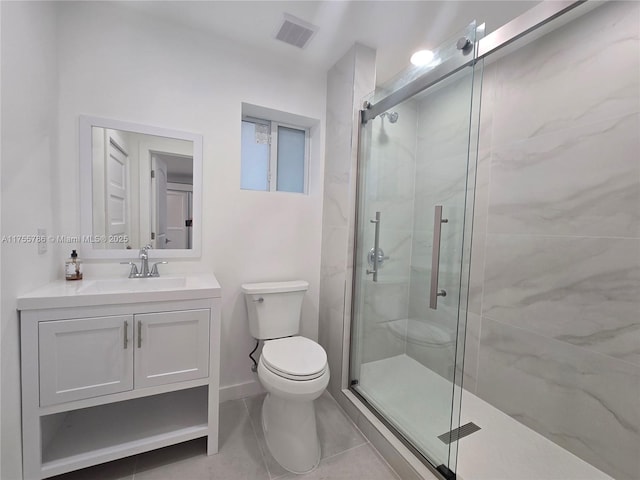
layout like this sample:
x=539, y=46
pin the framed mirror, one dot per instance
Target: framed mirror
x=139, y=185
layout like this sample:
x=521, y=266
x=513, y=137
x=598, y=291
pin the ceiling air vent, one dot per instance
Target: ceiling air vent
x=295, y=32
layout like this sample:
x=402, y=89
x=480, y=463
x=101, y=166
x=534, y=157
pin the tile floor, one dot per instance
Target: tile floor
x=346, y=453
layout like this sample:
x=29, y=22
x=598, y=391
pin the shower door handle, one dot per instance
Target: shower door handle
x=376, y=248
x=435, y=258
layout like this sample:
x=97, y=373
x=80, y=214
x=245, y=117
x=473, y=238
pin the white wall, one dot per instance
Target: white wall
x=29, y=150
x=117, y=64
x=63, y=59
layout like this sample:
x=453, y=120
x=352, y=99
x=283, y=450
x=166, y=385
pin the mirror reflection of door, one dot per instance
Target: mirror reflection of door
x=179, y=215
x=171, y=193
x=159, y=195
x=116, y=186
x=126, y=203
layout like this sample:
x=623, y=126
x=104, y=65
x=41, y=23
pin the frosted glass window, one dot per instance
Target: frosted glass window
x=254, y=168
x=291, y=159
x=274, y=156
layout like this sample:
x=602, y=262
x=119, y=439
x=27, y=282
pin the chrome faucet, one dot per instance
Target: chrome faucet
x=144, y=271
x=144, y=260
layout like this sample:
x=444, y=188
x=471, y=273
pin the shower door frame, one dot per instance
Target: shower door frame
x=415, y=85
x=525, y=24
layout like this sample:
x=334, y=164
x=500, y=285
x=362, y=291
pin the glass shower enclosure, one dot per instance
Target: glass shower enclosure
x=415, y=205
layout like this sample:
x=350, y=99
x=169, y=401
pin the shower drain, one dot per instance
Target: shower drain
x=458, y=433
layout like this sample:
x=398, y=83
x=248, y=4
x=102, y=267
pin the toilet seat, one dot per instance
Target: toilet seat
x=295, y=358
x=298, y=378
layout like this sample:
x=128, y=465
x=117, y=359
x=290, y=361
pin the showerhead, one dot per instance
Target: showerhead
x=392, y=116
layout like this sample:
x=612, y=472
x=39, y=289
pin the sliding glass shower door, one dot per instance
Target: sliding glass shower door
x=415, y=200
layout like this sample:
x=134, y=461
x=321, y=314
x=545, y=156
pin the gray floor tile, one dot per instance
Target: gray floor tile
x=254, y=405
x=359, y=463
x=244, y=455
x=239, y=456
x=335, y=430
x=186, y=460
x=118, y=470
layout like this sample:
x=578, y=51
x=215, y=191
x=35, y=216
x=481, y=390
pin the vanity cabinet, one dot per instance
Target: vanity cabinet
x=105, y=376
x=88, y=357
x=171, y=347
x=84, y=357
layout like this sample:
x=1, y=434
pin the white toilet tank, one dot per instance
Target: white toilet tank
x=274, y=308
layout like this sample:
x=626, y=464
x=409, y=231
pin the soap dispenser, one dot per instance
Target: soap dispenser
x=73, y=267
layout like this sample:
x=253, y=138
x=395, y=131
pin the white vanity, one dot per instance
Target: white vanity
x=116, y=367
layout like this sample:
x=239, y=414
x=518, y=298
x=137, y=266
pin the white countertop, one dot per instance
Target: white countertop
x=112, y=291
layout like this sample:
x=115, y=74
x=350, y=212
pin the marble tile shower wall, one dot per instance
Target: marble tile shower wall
x=553, y=334
x=348, y=81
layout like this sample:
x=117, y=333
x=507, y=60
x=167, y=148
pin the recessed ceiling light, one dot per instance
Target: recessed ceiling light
x=422, y=57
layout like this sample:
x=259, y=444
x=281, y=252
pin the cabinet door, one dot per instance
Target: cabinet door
x=171, y=347
x=85, y=357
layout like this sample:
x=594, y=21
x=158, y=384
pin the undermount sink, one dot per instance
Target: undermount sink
x=114, y=291
x=132, y=284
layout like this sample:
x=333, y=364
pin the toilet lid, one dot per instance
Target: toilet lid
x=294, y=356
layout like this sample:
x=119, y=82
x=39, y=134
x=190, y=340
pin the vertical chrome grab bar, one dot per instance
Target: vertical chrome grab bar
x=376, y=247
x=435, y=259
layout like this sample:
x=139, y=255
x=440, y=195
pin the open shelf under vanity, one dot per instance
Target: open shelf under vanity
x=84, y=437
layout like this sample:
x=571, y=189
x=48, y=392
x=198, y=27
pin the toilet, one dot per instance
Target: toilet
x=293, y=369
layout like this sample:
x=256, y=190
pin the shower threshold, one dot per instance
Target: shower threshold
x=503, y=449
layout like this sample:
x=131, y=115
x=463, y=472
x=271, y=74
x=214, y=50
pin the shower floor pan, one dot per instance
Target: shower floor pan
x=503, y=449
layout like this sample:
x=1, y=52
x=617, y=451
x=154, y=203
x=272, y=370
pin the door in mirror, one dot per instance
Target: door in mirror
x=140, y=185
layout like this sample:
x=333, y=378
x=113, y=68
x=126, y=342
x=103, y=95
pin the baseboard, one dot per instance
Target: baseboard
x=240, y=390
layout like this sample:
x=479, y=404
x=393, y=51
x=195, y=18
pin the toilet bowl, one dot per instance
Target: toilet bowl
x=293, y=370
x=288, y=413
